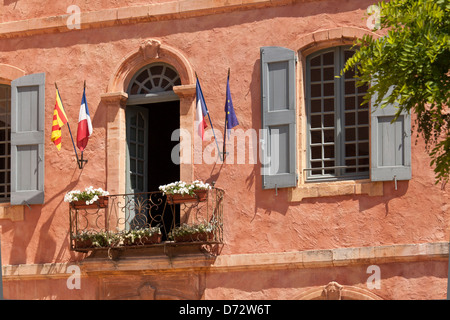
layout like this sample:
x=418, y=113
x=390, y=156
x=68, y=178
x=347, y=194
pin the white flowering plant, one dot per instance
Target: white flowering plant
x=183, y=188
x=89, y=195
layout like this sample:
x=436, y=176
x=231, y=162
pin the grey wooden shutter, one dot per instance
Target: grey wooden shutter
x=278, y=142
x=390, y=144
x=27, y=139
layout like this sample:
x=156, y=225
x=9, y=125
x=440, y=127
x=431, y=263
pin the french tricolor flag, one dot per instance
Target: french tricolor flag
x=84, y=130
x=201, y=111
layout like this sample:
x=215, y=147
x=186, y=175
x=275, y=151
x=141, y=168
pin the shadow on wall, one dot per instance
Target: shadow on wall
x=40, y=220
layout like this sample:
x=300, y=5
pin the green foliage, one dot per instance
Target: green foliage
x=413, y=59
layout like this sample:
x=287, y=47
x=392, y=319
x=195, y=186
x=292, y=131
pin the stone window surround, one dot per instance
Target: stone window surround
x=306, y=45
x=114, y=100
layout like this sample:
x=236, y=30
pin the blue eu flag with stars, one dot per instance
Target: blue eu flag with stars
x=230, y=116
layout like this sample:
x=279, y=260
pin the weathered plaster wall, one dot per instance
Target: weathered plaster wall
x=255, y=221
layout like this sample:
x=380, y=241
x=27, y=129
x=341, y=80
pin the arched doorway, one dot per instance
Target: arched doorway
x=152, y=115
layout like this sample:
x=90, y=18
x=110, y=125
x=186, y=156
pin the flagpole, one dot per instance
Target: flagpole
x=209, y=117
x=70, y=131
x=82, y=161
x=226, y=123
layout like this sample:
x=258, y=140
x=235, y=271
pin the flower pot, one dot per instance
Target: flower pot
x=102, y=202
x=194, y=237
x=146, y=240
x=83, y=243
x=198, y=196
x=153, y=239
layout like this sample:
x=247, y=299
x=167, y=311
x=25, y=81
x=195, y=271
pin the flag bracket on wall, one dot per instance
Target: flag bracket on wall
x=81, y=162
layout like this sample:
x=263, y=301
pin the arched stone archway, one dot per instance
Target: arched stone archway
x=115, y=101
x=9, y=73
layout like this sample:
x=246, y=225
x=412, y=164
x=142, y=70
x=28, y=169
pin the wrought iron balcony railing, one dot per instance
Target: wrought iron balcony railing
x=147, y=219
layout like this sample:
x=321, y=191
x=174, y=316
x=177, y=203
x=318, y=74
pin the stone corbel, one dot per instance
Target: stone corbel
x=114, y=98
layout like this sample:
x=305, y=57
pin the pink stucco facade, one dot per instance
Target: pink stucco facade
x=276, y=246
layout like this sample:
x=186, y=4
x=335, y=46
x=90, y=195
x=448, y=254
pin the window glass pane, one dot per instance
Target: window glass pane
x=316, y=74
x=328, y=105
x=328, y=152
x=328, y=73
x=349, y=119
x=363, y=161
x=328, y=136
x=316, y=152
x=349, y=87
x=350, y=163
x=316, y=90
x=350, y=150
x=317, y=164
x=349, y=103
x=316, y=136
x=363, y=133
x=316, y=106
x=363, y=149
x=328, y=58
x=328, y=120
x=157, y=70
x=316, y=121
x=328, y=89
x=316, y=61
x=363, y=117
x=142, y=76
x=329, y=164
x=350, y=134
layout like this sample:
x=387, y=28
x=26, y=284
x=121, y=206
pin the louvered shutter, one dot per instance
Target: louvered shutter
x=27, y=139
x=278, y=142
x=390, y=144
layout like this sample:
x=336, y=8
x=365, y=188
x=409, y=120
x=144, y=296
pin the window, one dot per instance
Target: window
x=5, y=142
x=157, y=77
x=337, y=123
x=345, y=140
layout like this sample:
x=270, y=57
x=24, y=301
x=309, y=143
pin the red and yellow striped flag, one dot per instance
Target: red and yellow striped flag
x=59, y=119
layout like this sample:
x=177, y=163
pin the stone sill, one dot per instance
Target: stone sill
x=13, y=213
x=335, y=188
x=398, y=253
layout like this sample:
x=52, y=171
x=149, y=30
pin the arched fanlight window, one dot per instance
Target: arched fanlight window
x=154, y=78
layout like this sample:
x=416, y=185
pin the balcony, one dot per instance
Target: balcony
x=148, y=220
